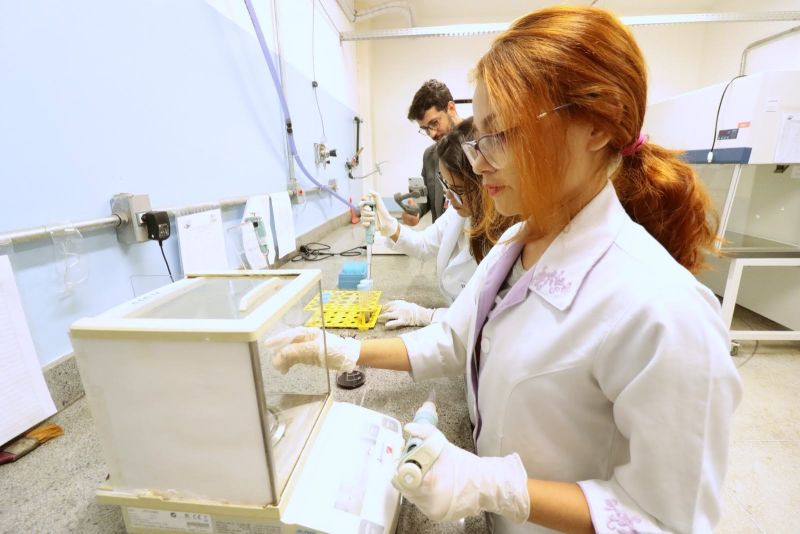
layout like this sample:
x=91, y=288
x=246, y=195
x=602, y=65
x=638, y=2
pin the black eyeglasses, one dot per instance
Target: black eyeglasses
x=432, y=126
x=492, y=146
x=456, y=193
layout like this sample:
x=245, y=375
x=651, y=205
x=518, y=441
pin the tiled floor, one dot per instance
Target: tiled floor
x=762, y=488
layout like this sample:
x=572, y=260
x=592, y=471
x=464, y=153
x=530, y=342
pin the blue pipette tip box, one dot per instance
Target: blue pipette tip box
x=351, y=274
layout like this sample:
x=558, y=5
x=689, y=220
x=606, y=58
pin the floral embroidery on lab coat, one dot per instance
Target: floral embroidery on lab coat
x=553, y=280
x=620, y=521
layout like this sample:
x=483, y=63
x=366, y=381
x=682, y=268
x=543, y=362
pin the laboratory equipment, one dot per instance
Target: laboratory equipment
x=370, y=239
x=417, y=459
x=261, y=232
x=323, y=154
x=416, y=190
x=351, y=273
x=364, y=304
x=341, y=309
x=202, y=434
x=749, y=129
x=755, y=121
x=351, y=379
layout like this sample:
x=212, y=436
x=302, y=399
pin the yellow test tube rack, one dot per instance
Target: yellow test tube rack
x=343, y=309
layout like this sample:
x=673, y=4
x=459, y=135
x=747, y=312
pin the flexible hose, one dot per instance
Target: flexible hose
x=284, y=106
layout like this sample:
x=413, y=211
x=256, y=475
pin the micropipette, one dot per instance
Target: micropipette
x=416, y=460
x=370, y=238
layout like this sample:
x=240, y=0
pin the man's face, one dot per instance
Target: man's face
x=436, y=123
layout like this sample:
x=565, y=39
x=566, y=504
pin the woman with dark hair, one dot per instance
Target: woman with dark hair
x=459, y=239
x=600, y=383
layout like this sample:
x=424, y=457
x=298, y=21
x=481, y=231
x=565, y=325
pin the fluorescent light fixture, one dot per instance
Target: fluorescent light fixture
x=465, y=30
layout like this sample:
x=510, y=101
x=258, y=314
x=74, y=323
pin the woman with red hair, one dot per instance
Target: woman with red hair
x=599, y=379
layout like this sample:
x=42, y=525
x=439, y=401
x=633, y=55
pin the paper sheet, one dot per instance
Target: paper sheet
x=284, y=222
x=24, y=397
x=381, y=246
x=788, y=148
x=202, y=242
x=259, y=205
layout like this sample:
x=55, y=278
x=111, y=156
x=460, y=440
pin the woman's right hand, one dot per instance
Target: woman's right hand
x=384, y=222
x=305, y=345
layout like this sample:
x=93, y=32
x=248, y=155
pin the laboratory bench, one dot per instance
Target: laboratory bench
x=52, y=489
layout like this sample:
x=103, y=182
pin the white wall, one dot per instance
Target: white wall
x=172, y=99
x=397, y=68
x=725, y=42
x=673, y=64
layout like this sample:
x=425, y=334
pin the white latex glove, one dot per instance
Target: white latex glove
x=384, y=222
x=304, y=345
x=460, y=484
x=397, y=313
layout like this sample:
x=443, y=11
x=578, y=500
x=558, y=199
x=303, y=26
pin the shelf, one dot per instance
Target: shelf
x=748, y=246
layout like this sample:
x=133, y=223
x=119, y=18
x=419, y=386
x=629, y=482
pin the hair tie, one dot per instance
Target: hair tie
x=635, y=146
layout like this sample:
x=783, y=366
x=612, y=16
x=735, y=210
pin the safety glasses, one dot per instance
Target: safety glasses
x=455, y=193
x=492, y=146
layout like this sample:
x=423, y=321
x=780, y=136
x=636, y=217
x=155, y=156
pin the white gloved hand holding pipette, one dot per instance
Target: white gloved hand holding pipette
x=304, y=345
x=398, y=313
x=457, y=483
x=384, y=222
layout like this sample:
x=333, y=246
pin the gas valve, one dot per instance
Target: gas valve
x=323, y=155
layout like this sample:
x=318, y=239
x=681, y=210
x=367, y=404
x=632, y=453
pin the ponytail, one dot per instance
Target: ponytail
x=664, y=195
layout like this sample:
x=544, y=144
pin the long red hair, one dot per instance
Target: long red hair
x=587, y=58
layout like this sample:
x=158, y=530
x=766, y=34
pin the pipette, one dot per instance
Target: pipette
x=370, y=238
x=416, y=460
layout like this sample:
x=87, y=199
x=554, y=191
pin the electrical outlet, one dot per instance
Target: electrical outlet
x=127, y=206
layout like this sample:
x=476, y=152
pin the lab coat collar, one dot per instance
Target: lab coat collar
x=562, y=268
x=495, y=275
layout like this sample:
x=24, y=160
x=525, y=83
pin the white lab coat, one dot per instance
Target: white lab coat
x=448, y=241
x=612, y=370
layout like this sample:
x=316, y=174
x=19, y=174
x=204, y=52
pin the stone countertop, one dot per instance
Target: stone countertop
x=52, y=489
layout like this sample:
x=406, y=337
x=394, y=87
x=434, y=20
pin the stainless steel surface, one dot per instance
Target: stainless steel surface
x=44, y=232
